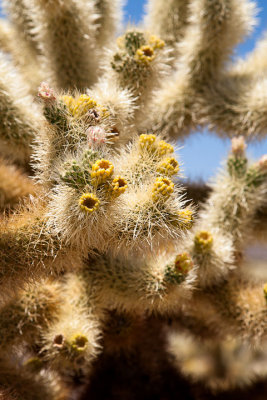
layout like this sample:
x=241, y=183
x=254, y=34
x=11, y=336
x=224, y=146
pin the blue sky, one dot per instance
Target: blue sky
x=203, y=152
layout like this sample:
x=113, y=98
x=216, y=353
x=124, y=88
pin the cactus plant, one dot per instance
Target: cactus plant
x=98, y=237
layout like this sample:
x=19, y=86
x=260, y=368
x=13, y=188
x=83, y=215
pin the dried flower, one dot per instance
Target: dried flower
x=58, y=341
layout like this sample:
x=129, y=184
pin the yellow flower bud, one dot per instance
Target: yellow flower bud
x=162, y=189
x=164, y=148
x=147, y=141
x=118, y=186
x=83, y=105
x=70, y=102
x=203, y=241
x=156, y=43
x=183, y=263
x=168, y=167
x=185, y=218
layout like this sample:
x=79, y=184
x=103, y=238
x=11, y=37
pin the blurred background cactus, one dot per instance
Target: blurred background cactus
x=119, y=278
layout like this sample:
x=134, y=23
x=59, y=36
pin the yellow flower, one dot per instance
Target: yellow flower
x=168, y=167
x=162, y=189
x=265, y=290
x=83, y=105
x=88, y=202
x=78, y=342
x=147, y=141
x=101, y=170
x=164, y=148
x=156, y=43
x=119, y=185
x=185, y=218
x=70, y=102
x=203, y=241
x=144, y=55
x=183, y=263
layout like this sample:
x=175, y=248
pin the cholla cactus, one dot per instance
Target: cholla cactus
x=100, y=239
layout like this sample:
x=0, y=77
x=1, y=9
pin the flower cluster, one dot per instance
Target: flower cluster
x=84, y=106
x=69, y=101
x=137, y=52
x=146, y=53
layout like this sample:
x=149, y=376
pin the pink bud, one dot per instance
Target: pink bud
x=262, y=163
x=46, y=93
x=96, y=136
x=238, y=145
